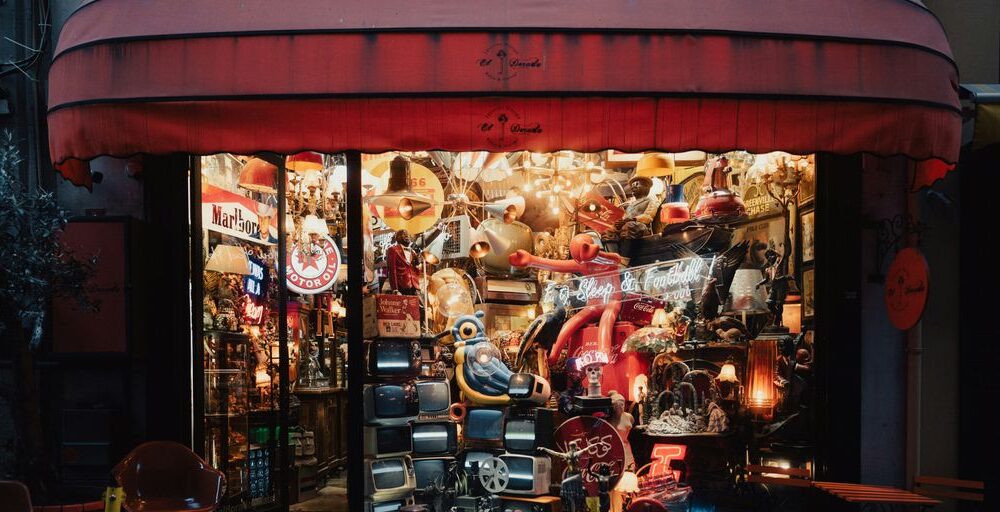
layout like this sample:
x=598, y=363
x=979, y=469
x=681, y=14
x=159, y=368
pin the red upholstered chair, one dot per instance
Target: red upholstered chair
x=163, y=476
x=14, y=497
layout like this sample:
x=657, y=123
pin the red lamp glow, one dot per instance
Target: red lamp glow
x=259, y=176
x=304, y=161
x=761, y=397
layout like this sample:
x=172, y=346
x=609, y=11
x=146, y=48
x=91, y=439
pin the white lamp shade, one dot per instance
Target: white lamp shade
x=745, y=296
x=509, y=209
x=479, y=245
x=313, y=225
x=229, y=259
x=497, y=243
x=434, y=250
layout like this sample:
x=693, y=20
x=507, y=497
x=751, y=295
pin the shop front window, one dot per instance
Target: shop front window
x=584, y=328
x=271, y=412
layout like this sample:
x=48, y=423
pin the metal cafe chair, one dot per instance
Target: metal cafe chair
x=951, y=488
x=14, y=497
x=164, y=476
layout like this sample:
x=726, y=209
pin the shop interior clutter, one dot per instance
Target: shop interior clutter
x=579, y=331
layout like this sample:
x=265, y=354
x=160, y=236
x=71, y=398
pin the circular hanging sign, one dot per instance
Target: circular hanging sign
x=906, y=287
x=601, y=444
x=313, y=270
x=423, y=181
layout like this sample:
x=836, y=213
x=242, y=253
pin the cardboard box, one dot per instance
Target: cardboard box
x=392, y=316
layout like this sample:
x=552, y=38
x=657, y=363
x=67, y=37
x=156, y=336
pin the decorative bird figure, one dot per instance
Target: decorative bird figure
x=479, y=369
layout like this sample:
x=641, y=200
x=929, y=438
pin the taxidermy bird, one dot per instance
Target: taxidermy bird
x=540, y=334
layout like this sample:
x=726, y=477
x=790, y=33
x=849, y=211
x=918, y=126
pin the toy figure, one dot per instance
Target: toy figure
x=641, y=207
x=589, y=260
x=403, y=265
x=572, y=493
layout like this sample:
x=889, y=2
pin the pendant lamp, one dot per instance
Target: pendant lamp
x=398, y=194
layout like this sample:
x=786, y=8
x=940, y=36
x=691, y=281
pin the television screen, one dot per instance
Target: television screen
x=521, y=384
x=429, y=469
x=435, y=396
x=528, y=474
x=525, y=433
x=393, y=357
x=385, y=506
x=388, y=474
x=519, y=436
x=484, y=424
x=434, y=438
x=394, y=401
x=389, y=440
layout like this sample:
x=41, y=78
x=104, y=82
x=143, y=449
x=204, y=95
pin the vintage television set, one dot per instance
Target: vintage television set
x=388, y=441
x=525, y=431
x=390, y=403
x=435, y=437
x=484, y=424
x=385, y=506
x=390, y=478
x=427, y=469
x=529, y=474
x=393, y=357
x=527, y=387
x=434, y=397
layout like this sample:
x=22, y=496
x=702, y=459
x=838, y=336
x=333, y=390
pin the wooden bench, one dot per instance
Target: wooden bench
x=942, y=487
x=776, y=475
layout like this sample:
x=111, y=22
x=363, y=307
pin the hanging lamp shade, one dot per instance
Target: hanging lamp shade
x=398, y=193
x=654, y=165
x=259, y=176
x=304, y=161
x=434, y=251
x=228, y=259
x=507, y=209
x=479, y=245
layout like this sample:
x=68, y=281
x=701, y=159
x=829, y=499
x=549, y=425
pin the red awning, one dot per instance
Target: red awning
x=851, y=76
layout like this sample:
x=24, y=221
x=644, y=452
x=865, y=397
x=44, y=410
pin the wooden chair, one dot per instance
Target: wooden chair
x=769, y=475
x=776, y=476
x=14, y=497
x=942, y=487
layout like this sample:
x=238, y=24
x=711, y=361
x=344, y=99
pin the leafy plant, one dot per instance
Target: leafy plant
x=36, y=266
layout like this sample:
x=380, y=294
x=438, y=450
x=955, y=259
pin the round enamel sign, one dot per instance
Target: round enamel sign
x=906, y=286
x=601, y=444
x=315, y=269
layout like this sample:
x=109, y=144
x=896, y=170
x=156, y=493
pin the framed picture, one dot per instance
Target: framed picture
x=769, y=232
x=808, y=293
x=808, y=226
x=807, y=187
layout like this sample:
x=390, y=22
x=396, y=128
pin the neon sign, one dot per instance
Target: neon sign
x=254, y=284
x=670, y=280
x=662, y=455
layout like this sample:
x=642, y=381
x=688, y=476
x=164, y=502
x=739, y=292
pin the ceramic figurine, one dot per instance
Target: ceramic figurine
x=622, y=420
